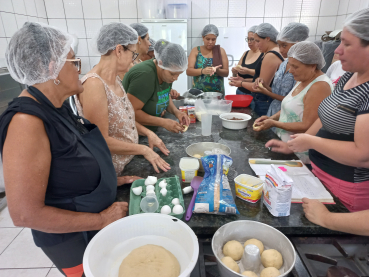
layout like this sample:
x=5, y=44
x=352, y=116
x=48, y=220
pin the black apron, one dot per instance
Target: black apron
x=105, y=193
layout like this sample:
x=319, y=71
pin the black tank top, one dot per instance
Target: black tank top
x=74, y=171
x=250, y=66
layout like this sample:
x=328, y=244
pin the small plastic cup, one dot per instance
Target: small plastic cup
x=206, y=121
x=251, y=258
x=149, y=204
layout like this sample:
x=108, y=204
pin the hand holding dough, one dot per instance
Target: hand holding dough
x=185, y=127
x=231, y=264
x=270, y=272
x=255, y=127
x=233, y=249
x=272, y=258
x=256, y=242
x=261, y=85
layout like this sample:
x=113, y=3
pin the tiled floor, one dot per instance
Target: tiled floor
x=19, y=256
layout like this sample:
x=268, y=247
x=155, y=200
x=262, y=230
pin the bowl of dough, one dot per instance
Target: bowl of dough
x=201, y=149
x=249, y=248
x=151, y=244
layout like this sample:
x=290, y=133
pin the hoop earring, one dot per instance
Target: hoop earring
x=56, y=82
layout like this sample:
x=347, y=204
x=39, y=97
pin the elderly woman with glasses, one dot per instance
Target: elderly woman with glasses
x=105, y=103
x=58, y=172
x=246, y=66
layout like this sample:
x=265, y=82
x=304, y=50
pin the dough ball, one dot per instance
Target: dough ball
x=272, y=258
x=230, y=82
x=150, y=260
x=256, y=242
x=231, y=264
x=198, y=156
x=233, y=249
x=185, y=127
x=239, y=66
x=270, y=272
x=249, y=274
x=255, y=127
x=261, y=85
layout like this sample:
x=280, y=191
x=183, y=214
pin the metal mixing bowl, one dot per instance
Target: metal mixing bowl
x=201, y=147
x=212, y=95
x=243, y=230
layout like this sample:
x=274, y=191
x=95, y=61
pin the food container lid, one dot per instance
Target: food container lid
x=249, y=181
x=187, y=163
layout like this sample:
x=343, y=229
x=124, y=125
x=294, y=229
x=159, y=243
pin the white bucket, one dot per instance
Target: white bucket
x=106, y=251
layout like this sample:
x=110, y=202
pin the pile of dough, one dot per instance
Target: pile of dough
x=233, y=249
x=256, y=242
x=198, y=156
x=231, y=264
x=249, y=274
x=270, y=272
x=150, y=260
x=272, y=258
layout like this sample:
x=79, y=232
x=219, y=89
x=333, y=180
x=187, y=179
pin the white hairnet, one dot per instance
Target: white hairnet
x=307, y=52
x=141, y=29
x=170, y=56
x=36, y=53
x=294, y=32
x=267, y=30
x=151, y=48
x=210, y=29
x=253, y=29
x=357, y=24
x=111, y=35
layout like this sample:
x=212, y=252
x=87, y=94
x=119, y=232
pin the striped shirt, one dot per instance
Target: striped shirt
x=338, y=114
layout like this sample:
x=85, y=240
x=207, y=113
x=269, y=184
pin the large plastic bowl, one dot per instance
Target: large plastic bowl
x=228, y=123
x=106, y=251
x=243, y=230
x=239, y=101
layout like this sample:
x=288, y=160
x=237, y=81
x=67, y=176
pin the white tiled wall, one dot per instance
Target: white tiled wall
x=85, y=17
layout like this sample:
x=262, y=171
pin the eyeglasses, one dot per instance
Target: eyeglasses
x=250, y=40
x=134, y=54
x=77, y=63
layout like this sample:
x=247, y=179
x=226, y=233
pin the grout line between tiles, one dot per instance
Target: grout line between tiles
x=11, y=242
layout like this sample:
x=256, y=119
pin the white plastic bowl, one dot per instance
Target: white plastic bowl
x=106, y=251
x=243, y=230
x=235, y=124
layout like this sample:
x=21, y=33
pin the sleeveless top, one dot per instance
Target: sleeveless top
x=74, y=171
x=205, y=82
x=122, y=124
x=338, y=114
x=292, y=110
x=250, y=66
x=283, y=83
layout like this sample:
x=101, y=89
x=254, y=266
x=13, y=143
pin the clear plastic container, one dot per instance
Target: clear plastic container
x=149, y=204
x=176, y=9
x=152, y=9
x=206, y=121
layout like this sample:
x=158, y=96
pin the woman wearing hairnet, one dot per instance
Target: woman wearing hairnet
x=247, y=64
x=283, y=79
x=338, y=140
x=148, y=85
x=266, y=39
x=299, y=108
x=208, y=64
x=105, y=103
x=59, y=176
x=143, y=42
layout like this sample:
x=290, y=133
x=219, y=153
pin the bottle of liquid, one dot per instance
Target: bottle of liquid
x=149, y=204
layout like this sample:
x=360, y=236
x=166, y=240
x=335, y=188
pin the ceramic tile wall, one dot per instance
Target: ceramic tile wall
x=85, y=17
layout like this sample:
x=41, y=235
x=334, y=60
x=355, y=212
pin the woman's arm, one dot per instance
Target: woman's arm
x=153, y=139
x=149, y=120
x=313, y=130
x=352, y=153
x=26, y=174
x=182, y=117
x=316, y=94
x=191, y=71
x=354, y=223
x=224, y=71
x=95, y=109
